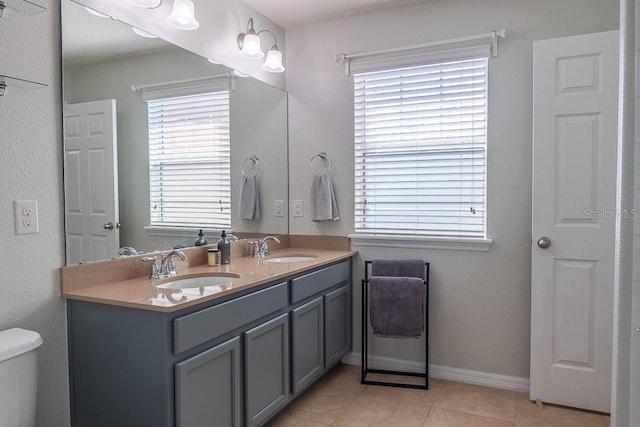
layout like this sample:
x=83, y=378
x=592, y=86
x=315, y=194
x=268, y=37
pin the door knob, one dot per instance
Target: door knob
x=544, y=242
x=110, y=226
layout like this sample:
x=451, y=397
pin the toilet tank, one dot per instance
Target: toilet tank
x=18, y=377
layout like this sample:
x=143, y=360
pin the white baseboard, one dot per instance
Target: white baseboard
x=468, y=376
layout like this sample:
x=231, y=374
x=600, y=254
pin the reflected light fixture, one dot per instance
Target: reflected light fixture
x=96, y=13
x=147, y=4
x=183, y=15
x=143, y=33
x=249, y=44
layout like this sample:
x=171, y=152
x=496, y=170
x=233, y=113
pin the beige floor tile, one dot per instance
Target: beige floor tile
x=293, y=418
x=423, y=397
x=532, y=415
x=477, y=400
x=444, y=418
x=344, y=377
x=322, y=405
x=375, y=411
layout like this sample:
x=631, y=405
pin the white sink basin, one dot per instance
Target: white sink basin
x=221, y=279
x=291, y=258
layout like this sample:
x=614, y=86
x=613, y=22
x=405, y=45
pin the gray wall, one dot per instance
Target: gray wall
x=30, y=168
x=480, y=302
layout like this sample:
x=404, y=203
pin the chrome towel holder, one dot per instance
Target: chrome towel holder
x=249, y=165
x=324, y=158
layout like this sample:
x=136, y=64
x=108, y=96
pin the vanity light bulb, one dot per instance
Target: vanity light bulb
x=251, y=47
x=273, y=62
x=183, y=15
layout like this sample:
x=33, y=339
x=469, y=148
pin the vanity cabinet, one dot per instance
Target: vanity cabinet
x=209, y=387
x=235, y=361
x=266, y=369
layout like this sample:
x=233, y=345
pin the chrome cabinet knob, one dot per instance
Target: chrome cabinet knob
x=544, y=242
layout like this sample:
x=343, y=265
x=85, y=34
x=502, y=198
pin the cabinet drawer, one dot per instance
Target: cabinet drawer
x=202, y=326
x=316, y=282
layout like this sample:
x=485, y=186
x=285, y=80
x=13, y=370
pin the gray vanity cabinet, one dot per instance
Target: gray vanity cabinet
x=266, y=351
x=337, y=308
x=232, y=362
x=209, y=387
x=307, y=343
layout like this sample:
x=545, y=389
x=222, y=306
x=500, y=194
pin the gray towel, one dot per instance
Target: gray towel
x=398, y=267
x=323, y=199
x=249, y=198
x=397, y=308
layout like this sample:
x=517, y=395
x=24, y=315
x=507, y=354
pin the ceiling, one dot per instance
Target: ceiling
x=290, y=13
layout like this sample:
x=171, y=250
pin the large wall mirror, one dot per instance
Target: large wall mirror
x=105, y=63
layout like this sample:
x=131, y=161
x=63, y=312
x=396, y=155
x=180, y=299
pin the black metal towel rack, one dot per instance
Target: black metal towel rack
x=365, y=341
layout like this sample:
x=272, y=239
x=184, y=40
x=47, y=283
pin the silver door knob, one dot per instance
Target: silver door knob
x=108, y=226
x=544, y=242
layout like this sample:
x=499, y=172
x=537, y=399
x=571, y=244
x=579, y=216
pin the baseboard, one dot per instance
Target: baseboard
x=468, y=376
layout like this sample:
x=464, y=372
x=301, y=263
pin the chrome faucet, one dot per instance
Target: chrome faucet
x=154, y=273
x=167, y=267
x=264, y=247
x=127, y=251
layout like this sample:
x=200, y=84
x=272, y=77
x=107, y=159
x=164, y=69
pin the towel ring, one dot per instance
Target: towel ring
x=253, y=166
x=324, y=159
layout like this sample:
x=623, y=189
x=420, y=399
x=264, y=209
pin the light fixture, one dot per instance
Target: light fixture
x=142, y=33
x=249, y=44
x=183, y=15
x=96, y=13
x=147, y=4
x=3, y=87
x=3, y=5
x=240, y=73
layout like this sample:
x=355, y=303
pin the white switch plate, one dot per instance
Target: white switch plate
x=297, y=208
x=278, y=208
x=26, y=212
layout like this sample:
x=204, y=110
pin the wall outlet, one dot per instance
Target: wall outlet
x=297, y=208
x=26, y=212
x=278, y=208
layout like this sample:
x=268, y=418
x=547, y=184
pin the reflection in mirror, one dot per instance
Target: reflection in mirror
x=107, y=198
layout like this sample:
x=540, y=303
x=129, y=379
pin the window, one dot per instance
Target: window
x=420, y=149
x=189, y=161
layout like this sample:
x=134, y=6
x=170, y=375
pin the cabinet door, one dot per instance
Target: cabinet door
x=337, y=309
x=267, y=369
x=307, y=339
x=208, y=387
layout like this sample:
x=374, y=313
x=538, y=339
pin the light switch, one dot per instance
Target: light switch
x=297, y=208
x=278, y=208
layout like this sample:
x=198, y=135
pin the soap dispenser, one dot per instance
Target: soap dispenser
x=200, y=241
x=224, y=247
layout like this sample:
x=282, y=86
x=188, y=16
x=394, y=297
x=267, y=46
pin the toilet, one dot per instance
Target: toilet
x=18, y=377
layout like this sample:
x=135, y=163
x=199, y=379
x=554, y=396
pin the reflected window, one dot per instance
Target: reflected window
x=189, y=161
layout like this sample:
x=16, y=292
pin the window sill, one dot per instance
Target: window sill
x=154, y=230
x=421, y=242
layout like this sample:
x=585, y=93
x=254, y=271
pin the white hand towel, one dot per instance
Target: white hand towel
x=249, y=199
x=323, y=199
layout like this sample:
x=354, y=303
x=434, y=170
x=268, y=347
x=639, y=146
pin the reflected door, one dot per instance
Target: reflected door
x=91, y=181
x=573, y=223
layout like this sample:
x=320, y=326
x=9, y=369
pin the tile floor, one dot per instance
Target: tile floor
x=340, y=400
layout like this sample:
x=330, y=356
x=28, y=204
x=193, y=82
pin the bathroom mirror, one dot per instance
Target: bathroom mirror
x=104, y=59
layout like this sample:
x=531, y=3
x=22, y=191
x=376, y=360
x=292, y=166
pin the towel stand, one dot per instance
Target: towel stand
x=365, y=341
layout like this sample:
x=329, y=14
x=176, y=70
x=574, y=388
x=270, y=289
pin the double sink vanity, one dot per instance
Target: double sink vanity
x=228, y=345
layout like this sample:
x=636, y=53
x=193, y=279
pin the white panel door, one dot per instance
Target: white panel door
x=91, y=181
x=575, y=87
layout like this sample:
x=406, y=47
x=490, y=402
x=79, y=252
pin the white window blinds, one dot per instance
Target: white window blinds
x=420, y=144
x=189, y=161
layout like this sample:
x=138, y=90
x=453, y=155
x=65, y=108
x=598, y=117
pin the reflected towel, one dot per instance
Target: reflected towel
x=323, y=199
x=397, y=308
x=398, y=267
x=249, y=198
